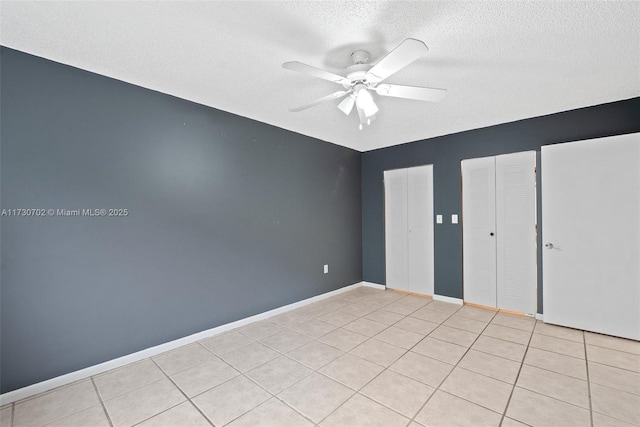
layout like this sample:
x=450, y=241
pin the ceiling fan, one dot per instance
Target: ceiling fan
x=362, y=78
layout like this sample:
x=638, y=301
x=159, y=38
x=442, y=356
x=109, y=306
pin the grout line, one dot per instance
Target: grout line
x=586, y=362
x=515, y=381
x=104, y=408
x=184, y=394
x=435, y=389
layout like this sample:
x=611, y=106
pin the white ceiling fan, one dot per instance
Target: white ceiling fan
x=362, y=78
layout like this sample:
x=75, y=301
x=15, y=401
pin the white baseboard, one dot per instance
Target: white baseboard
x=539, y=316
x=90, y=371
x=448, y=299
x=373, y=285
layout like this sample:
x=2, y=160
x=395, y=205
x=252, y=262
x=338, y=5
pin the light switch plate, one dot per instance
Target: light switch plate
x=438, y=219
x=454, y=218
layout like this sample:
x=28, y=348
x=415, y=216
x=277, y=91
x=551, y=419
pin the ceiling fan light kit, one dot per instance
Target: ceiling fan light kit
x=362, y=78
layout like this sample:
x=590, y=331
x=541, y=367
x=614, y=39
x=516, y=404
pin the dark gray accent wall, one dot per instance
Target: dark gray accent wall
x=446, y=152
x=228, y=217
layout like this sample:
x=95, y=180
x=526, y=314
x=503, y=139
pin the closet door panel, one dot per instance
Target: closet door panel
x=420, y=218
x=396, y=225
x=478, y=238
x=515, y=233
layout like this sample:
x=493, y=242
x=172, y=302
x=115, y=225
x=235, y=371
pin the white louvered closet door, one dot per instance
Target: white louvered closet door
x=515, y=232
x=479, y=229
x=420, y=218
x=396, y=223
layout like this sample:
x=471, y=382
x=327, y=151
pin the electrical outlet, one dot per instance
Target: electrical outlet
x=326, y=268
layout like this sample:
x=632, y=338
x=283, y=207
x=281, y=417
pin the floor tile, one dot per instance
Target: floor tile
x=338, y=318
x=618, y=359
x=421, y=368
x=453, y=335
x=612, y=377
x=230, y=400
x=399, y=337
x=261, y=329
x=351, y=371
x=508, y=422
x=343, y=339
x=289, y=319
x=614, y=343
x=559, y=332
x=315, y=354
x=497, y=347
x=558, y=386
x=183, y=415
x=182, y=358
x=314, y=328
x=523, y=323
x=357, y=310
x=600, y=420
x=361, y=411
x=479, y=389
x=93, y=416
x=378, y=352
x=400, y=308
x=476, y=313
x=250, y=356
x=6, y=413
x=204, y=377
x=415, y=325
x=55, y=405
x=138, y=405
x=538, y=410
x=226, y=343
x=446, y=410
x=316, y=396
x=285, y=341
x=558, y=345
x=415, y=300
x=278, y=374
x=616, y=403
x=557, y=362
x=365, y=327
x=129, y=377
x=385, y=317
x=491, y=366
x=400, y=393
x=440, y=350
x=430, y=315
x=461, y=322
x=271, y=413
x=445, y=307
x=506, y=333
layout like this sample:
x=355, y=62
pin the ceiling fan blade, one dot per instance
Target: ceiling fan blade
x=315, y=72
x=411, y=92
x=334, y=95
x=404, y=54
x=346, y=105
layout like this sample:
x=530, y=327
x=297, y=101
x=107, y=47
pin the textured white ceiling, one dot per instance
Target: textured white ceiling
x=500, y=61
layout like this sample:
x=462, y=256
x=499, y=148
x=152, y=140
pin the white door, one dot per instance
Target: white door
x=591, y=232
x=516, y=274
x=420, y=223
x=396, y=225
x=409, y=229
x=499, y=235
x=479, y=230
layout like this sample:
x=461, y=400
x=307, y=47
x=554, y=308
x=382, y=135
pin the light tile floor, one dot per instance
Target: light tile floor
x=364, y=358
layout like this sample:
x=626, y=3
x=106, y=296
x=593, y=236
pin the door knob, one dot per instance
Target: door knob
x=549, y=245
x=491, y=234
